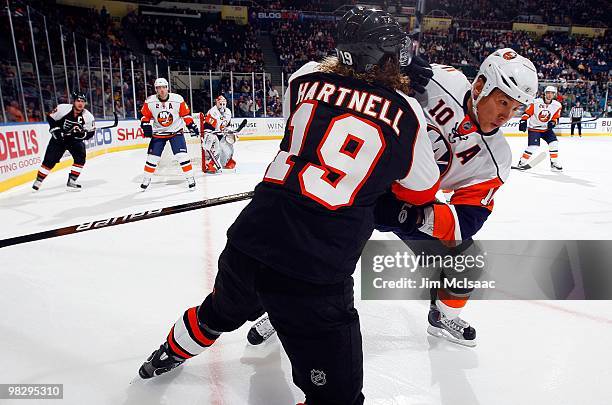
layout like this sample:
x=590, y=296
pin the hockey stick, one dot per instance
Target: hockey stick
x=532, y=163
x=160, y=212
x=114, y=123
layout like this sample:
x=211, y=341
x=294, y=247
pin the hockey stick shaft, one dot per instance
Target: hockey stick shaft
x=115, y=123
x=129, y=218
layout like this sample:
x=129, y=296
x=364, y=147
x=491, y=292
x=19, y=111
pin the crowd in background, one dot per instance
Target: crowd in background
x=209, y=43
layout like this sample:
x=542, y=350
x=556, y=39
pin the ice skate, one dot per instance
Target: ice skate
x=145, y=183
x=191, y=183
x=556, y=167
x=36, y=185
x=72, y=185
x=261, y=331
x=454, y=330
x=159, y=362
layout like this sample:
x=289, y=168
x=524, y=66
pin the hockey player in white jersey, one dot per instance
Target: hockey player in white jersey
x=164, y=116
x=539, y=120
x=218, y=142
x=474, y=159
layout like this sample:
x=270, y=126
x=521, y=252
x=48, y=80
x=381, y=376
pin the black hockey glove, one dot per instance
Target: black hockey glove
x=523, y=125
x=194, y=129
x=393, y=215
x=78, y=132
x=420, y=73
x=551, y=124
x=147, y=129
x=56, y=133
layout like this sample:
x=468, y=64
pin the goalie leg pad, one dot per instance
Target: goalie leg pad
x=226, y=151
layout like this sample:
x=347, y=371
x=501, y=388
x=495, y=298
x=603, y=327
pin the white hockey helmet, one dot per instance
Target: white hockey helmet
x=551, y=89
x=160, y=82
x=510, y=72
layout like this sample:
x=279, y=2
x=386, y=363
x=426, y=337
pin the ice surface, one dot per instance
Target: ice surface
x=85, y=310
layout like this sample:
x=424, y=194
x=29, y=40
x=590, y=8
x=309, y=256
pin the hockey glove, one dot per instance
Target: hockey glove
x=523, y=125
x=147, y=129
x=56, y=133
x=394, y=215
x=78, y=132
x=194, y=129
x=551, y=124
x=420, y=73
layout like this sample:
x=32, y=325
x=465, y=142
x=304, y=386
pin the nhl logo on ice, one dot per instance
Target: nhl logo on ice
x=317, y=377
x=509, y=55
x=165, y=118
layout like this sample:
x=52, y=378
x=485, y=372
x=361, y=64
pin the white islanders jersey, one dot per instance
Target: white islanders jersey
x=217, y=119
x=472, y=164
x=167, y=117
x=539, y=114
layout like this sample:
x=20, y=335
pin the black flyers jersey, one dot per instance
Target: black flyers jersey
x=346, y=142
x=63, y=117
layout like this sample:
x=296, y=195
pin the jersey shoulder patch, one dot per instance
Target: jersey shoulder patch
x=309, y=67
x=448, y=83
x=60, y=111
x=174, y=97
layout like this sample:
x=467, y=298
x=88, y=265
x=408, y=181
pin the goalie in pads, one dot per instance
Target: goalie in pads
x=217, y=141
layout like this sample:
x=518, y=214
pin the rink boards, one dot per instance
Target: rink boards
x=22, y=146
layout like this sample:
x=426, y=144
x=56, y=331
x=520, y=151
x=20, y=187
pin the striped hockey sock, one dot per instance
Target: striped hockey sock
x=190, y=336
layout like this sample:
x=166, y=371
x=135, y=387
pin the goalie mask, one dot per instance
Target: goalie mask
x=221, y=103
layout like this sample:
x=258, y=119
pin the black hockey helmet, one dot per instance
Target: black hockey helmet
x=368, y=37
x=78, y=95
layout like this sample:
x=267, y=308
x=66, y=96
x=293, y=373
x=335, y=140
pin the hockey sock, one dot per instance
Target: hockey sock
x=553, y=149
x=185, y=163
x=190, y=336
x=151, y=165
x=450, y=304
x=43, y=172
x=526, y=156
x=75, y=172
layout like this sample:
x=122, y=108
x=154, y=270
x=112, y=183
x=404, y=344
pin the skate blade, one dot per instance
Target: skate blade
x=73, y=190
x=441, y=333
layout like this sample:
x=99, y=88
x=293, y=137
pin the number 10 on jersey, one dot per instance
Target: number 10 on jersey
x=350, y=148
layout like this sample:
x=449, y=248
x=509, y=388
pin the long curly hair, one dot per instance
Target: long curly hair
x=388, y=74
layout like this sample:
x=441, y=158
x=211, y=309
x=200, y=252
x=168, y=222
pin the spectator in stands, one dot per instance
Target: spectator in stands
x=13, y=112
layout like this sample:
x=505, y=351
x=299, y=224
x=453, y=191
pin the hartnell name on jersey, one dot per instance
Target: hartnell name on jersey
x=361, y=101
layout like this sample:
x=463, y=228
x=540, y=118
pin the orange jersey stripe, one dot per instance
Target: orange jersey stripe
x=415, y=197
x=146, y=113
x=476, y=194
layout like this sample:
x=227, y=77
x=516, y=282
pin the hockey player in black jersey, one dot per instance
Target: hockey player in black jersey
x=352, y=133
x=69, y=125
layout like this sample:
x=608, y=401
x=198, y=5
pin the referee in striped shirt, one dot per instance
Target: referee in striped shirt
x=576, y=113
